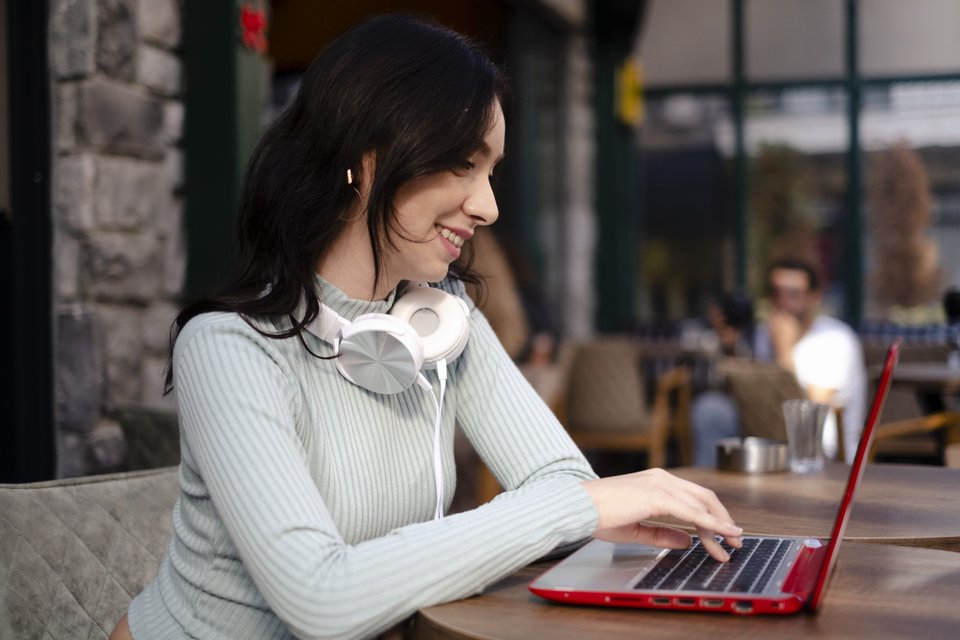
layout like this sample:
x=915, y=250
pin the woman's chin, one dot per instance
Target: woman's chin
x=434, y=275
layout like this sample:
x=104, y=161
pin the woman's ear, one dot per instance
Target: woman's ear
x=368, y=168
x=362, y=179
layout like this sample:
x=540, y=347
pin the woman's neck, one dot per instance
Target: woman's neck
x=349, y=266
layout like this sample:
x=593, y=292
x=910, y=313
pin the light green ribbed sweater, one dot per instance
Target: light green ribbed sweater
x=306, y=502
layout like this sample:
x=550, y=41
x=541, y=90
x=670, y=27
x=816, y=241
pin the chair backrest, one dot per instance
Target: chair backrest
x=759, y=389
x=605, y=388
x=74, y=552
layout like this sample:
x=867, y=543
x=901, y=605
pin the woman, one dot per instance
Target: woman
x=306, y=498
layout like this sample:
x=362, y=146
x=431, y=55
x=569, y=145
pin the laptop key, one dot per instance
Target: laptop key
x=738, y=558
x=690, y=563
x=666, y=564
x=745, y=579
x=775, y=561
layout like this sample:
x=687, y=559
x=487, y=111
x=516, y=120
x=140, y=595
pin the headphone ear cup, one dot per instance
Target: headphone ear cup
x=380, y=353
x=441, y=320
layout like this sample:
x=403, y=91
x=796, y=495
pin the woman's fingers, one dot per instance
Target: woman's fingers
x=708, y=516
x=705, y=497
x=698, y=506
x=623, y=502
x=663, y=536
x=714, y=548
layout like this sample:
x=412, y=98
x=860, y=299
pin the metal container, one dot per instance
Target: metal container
x=751, y=455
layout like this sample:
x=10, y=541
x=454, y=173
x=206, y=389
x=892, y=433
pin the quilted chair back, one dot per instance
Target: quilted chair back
x=74, y=552
x=606, y=407
x=605, y=388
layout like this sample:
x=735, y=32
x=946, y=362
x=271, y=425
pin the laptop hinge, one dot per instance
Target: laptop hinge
x=802, y=577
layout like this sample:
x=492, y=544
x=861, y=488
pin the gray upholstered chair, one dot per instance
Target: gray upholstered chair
x=73, y=552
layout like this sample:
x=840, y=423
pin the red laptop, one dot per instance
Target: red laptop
x=767, y=575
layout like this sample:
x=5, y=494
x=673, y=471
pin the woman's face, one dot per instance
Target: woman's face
x=437, y=214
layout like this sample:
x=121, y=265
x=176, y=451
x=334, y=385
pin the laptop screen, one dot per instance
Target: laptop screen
x=856, y=473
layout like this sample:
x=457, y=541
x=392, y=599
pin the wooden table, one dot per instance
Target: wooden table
x=896, y=576
x=932, y=375
x=930, y=381
x=914, y=505
x=935, y=386
x=877, y=591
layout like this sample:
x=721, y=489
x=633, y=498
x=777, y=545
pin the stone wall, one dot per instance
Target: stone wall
x=119, y=253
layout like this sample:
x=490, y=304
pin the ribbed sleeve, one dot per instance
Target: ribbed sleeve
x=306, y=501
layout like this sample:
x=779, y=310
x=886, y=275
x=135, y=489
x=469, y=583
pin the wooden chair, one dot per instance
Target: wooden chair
x=942, y=431
x=606, y=405
x=759, y=389
x=908, y=431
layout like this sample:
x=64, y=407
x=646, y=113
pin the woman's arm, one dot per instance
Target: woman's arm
x=509, y=425
x=238, y=408
x=522, y=443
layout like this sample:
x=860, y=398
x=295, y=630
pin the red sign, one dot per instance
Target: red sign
x=253, y=28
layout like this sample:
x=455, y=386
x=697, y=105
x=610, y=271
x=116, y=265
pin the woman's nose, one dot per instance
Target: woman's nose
x=481, y=204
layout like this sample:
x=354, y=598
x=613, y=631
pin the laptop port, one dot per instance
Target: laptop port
x=660, y=600
x=743, y=606
x=712, y=602
x=686, y=602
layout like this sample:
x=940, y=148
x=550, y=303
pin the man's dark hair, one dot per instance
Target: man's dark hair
x=737, y=309
x=795, y=264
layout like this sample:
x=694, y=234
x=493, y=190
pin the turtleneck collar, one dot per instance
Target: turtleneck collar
x=350, y=308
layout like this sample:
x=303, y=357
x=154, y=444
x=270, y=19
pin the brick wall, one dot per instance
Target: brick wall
x=117, y=207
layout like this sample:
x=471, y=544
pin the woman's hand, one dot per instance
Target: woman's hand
x=624, y=502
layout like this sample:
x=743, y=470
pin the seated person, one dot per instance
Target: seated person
x=823, y=353
x=713, y=413
x=312, y=498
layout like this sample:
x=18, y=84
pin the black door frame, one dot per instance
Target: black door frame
x=27, y=443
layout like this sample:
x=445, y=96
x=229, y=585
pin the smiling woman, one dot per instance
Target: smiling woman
x=434, y=216
x=319, y=387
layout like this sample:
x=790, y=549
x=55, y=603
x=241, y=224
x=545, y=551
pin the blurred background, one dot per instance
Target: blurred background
x=660, y=152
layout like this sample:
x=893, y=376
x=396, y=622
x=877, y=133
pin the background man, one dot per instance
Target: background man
x=823, y=352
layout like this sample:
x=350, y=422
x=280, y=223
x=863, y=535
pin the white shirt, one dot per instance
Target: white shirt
x=829, y=355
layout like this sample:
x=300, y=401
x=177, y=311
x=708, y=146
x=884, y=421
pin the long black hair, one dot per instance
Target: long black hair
x=418, y=96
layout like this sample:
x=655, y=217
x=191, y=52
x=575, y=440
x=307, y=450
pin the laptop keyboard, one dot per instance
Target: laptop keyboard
x=748, y=570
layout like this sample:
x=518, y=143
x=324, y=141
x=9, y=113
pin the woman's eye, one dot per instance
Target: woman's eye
x=466, y=166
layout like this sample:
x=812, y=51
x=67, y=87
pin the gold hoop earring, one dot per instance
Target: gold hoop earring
x=340, y=216
x=343, y=218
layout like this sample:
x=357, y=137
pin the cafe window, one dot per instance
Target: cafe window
x=911, y=143
x=686, y=238
x=796, y=142
x=818, y=99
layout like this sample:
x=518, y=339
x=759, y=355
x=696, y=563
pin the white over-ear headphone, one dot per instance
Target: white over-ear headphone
x=385, y=352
